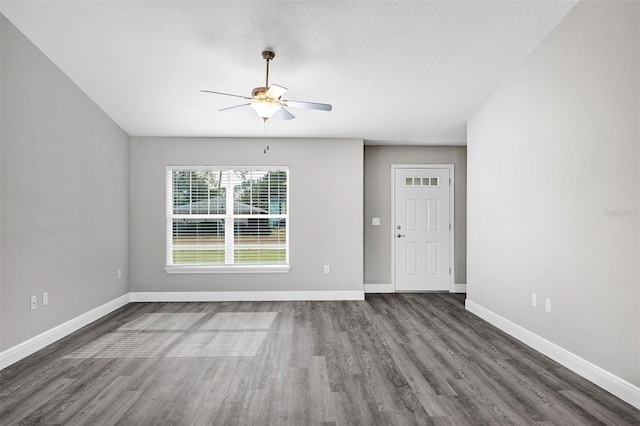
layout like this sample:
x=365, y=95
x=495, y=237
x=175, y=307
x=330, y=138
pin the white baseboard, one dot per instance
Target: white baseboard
x=619, y=387
x=458, y=288
x=388, y=288
x=378, y=288
x=240, y=296
x=26, y=348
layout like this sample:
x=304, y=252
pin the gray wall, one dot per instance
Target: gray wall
x=325, y=202
x=64, y=195
x=377, y=203
x=553, y=190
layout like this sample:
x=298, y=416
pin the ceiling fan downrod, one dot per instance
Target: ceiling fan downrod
x=267, y=55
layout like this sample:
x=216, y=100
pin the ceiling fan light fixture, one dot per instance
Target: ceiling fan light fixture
x=265, y=109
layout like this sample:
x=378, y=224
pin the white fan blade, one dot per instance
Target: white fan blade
x=284, y=114
x=235, y=106
x=226, y=94
x=308, y=105
x=275, y=91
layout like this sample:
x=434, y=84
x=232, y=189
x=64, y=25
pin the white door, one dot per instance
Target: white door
x=422, y=233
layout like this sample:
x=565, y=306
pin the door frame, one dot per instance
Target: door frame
x=452, y=262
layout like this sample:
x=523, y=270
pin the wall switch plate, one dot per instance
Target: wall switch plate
x=547, y=305
x=327, y=269
x=34, y=302
x=375, y=221
x=119, y=273
x=534, y=299
x=45, y=299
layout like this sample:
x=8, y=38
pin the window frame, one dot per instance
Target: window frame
x=229, y=217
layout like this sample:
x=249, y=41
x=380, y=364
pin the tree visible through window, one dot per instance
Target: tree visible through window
x=224, y=217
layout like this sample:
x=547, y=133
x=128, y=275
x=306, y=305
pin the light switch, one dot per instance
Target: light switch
x=375, y=221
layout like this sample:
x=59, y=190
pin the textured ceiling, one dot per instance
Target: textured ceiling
x=405, y=72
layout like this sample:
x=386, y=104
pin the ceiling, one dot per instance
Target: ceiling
x=396, y=72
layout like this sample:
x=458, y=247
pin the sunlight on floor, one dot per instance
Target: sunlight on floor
x=163, y=321
x=124, y=345
x=219, y=344
x=240, y=321
x=174, y=335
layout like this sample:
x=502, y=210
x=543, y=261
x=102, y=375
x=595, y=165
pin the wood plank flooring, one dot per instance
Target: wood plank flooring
x=395, y=359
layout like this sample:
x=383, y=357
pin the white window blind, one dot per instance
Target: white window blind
x=228, y=219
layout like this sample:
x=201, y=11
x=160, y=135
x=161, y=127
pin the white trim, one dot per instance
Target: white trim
x=608, y=381
x=458, y=288
x=28, y=347
x=262, y=167
x=378, y=288
x=168, y=193
x=241, y=296
x=388, y=288
x=452, y=215
x=227, y=269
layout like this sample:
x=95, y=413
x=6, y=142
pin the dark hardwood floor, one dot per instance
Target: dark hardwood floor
x=398, y=359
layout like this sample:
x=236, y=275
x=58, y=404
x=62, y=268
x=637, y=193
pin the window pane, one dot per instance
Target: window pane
x=259, y=192
x=198, y=192
x=197, y=242
x=260, y=241
x=181, y=188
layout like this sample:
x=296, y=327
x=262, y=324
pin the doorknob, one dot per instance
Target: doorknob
x=398, y=227
x=400, y=235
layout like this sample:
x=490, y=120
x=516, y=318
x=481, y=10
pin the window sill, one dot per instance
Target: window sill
x=227, y=269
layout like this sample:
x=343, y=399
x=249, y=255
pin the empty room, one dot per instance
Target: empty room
x=320, y=212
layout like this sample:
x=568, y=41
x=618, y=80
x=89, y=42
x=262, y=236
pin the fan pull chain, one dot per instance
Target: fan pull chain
x=266, y=135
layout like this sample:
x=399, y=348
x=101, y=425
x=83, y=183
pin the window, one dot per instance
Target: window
x=227, y=220
x=425, y=181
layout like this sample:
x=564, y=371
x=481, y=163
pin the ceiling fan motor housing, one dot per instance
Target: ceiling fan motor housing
x=259, y=92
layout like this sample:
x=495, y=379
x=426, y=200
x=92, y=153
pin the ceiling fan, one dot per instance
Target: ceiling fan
x=267, y=101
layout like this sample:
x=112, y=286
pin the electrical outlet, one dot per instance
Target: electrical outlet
x=547, y=305
x=45, y=299
x=34, y=302
x=327, y=269
x=375, y=221
x=534, y=299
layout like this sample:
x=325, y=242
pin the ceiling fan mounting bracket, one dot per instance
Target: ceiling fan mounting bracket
x=268, y=55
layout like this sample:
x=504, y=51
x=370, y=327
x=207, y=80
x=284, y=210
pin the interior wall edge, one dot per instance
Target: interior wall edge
x=44, y=339
x=601, y=377
x=242, y=296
